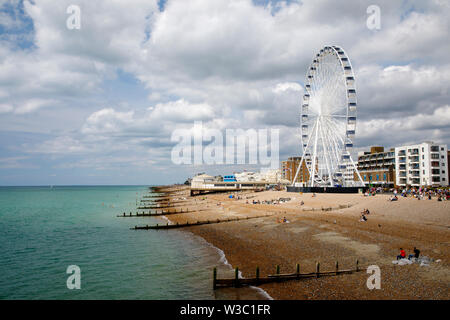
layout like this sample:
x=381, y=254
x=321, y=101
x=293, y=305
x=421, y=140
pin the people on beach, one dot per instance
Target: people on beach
x=302, y=203
x=363, y=218
x=394, y=198
x=415, y=255
x=402, y=254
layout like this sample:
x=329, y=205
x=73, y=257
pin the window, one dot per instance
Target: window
x=442, y=148
x=423, y=149
x=423, y=171
x=423, y=157
x=365, y=178
x=378, y=177
x=434, y=148
x=384, y=177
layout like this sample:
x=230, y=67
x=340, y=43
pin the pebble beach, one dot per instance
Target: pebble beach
x=326, y=228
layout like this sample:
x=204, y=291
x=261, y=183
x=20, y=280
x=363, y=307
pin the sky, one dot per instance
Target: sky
x=98, y=105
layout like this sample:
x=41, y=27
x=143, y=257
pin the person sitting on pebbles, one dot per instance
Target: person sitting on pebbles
x=402, y=254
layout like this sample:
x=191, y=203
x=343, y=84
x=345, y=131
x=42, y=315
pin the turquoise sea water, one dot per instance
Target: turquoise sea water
x=43, y=230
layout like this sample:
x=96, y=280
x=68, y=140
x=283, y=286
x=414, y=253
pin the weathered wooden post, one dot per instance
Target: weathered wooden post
x=214, y=278
x=357, y=265
x=337, y=267
x=278, y=270
x=317, y=269
x=257, y=274
x=297, y=270
x=236, y=277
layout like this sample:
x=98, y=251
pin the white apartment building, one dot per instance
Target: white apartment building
x=421, y=165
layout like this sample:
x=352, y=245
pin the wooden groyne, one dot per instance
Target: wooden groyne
x=167, y=190
x=160, y=199
x=341, y=206
x=197, y=223
x=278, y=277
x=165, y=201
x=156, y=213
x=164, y=207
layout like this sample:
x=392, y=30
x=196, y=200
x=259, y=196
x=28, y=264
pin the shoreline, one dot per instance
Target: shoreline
x=222, y=258
x=327, y=237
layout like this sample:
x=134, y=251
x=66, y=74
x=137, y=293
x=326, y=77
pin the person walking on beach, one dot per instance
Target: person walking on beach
x=402, y=254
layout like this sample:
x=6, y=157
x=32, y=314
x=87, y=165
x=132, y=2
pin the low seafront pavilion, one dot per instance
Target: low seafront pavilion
x=203, y=183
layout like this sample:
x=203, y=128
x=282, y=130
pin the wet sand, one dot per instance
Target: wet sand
x=330, y=236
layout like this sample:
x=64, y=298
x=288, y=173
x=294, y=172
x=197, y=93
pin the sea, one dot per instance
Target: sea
x=44, y=230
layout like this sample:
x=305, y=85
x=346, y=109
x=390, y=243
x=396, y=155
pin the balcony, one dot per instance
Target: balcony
x=435, y=156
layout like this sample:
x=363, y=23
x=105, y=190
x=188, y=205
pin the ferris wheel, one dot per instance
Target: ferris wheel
x=328, y=121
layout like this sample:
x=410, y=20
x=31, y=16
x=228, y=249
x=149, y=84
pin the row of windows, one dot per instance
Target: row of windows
x=377, y=177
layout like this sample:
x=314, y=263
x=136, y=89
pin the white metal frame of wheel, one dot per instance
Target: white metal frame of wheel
x=328, y=121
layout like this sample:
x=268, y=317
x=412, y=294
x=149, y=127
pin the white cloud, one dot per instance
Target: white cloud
x=230, y=64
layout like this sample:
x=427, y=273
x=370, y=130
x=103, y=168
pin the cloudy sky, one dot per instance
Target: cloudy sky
x=98, y=105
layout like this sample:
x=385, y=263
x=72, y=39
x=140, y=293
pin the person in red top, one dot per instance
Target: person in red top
x=402, y=254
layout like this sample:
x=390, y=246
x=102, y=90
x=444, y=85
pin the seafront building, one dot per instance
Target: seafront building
x=246, y=180
x=377, y=167
x=424, y=164
x=289, y=169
